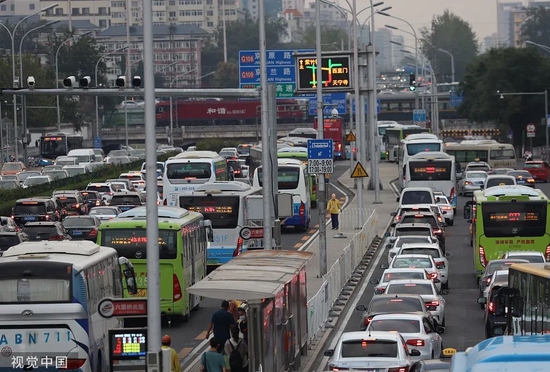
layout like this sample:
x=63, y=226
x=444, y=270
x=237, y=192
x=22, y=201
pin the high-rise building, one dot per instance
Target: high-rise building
x=517, y=18
x=94, y=11
x=19, y=7
x=396, y=50
x=504, y=31
x=382, y=38
x=489, y=42
x=331, y=17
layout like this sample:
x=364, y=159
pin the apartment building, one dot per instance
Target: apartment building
x=177, y=51
x=94, y=11
x=331, y=16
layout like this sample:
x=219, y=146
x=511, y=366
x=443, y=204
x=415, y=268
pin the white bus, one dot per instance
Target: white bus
x=292, y=179
x=424, y=142
x=436, y=170
x=185, y=171
x=50, y=296
x=382, y=126
x=497, y=155
x=225, y=205
x=393, y=137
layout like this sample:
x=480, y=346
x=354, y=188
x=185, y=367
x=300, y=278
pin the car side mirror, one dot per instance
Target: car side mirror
x=393, y=214
x=482, y=301
x=445, y=212
x=393, y=224
x=374, y=281
x=329, y=353
x=129, y=275
x=447, y=254
x=360, y=308
x=437, y=199
x=383, y=266
x=469, y=221
x=437, y=281
x=397, y=199
x=443, y=224
x=444, y=292
x=414, y=353
x=388, y=246
x=440, y=329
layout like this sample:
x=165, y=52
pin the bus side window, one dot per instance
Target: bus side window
x=117, y=278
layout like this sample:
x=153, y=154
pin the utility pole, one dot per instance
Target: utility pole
x=321, y=196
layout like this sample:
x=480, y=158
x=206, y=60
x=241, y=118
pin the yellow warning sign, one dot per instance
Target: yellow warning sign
x=350, y=137
x=359, y=171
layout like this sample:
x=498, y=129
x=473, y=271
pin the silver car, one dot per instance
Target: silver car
x=471, y=181
x=105, y=213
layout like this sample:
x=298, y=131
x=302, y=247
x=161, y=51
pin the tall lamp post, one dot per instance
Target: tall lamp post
x=57, y=73
x=97, y=84
x=452, y=62
x=23, y=39
x=16, y=83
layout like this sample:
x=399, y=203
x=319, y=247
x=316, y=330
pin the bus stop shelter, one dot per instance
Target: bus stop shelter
x=273, y=283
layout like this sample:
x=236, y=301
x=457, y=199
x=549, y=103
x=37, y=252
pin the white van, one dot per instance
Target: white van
x=84, y=156
x=417, y=195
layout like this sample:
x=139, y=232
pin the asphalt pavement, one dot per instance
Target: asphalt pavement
x=464, y=318
x=186, y=337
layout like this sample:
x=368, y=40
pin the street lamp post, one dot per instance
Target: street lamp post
x=452, y=62
x=14, y=82
x=57, y=73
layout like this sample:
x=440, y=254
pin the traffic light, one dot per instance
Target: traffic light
x=412, y=82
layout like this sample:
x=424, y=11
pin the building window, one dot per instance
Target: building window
x=172, y=3
x=31, y=6
x=58, y=12
x=172, y=14
x=102, y=23
x=209, y=24
x=3, y=8
x=85, y=11
x=102, y=11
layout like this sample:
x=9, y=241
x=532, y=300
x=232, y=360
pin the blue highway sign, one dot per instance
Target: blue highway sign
x=320, y=159
x=338, y=99
x=97, y=142
x=419, y=116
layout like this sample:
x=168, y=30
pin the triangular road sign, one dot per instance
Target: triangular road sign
x=359, y=171
x=350, y=137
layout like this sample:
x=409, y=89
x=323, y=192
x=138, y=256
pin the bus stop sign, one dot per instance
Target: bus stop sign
x=122, y=307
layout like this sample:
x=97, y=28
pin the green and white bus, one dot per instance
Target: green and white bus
x=182, y=244
x=507, y=218
x=300, y=153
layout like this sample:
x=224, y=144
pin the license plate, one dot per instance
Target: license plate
x=29, y=218
x=521, y=182
x=77, y=232
x=212, y=262
x=124, y=209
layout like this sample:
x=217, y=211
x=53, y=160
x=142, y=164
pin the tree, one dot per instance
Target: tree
x=536, y=27
x=332, y=38
x=506, y=70
x=453, y=34
x=227, y=75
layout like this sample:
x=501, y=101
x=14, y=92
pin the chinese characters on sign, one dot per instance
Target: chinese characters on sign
x=336, y=73
x=31, y=362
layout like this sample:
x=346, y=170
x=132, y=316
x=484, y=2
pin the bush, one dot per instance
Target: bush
x=9, y=197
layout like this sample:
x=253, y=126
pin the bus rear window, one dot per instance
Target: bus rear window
x=222, y=211
x=132, y=242
x=179, y=171
x=99, y=188
x=430, y=171
x=32, y=209
x=502, y=154
x=413, y=149
x=288, y=178
x=125, y=200
x=523, y=219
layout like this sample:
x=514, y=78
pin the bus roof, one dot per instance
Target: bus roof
x=422, y=136
x=477, y=145
x=292, y=150
x=163, y=212
x=79, y=253
x=196, y=155
x=508, y=192
x=431, y=155
x=289, y=162
x=164, y=222
x=499, y=351
x=232, y=187
x=540, y=269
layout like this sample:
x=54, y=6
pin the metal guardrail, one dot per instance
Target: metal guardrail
x=320, y=305
x=350, y=219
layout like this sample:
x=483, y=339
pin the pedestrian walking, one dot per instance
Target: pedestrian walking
x=333, y=207
x=220, y=323
x=237, y=351
x=175, y=361
x=211, y=360
x=243, y=323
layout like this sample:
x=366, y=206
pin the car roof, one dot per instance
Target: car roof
x=534, y=162
x=33, y=199
x=127, y=193
x=505, y=260
x=492, y=176
x=393, y=316
x=429, y=213
x=9, y=233
x=409, y=225
x=384, y=335
x=396, y=296
x=98, y=184
x=414, y=256
x=500, y=272
x=421, y=245
x=411, y=281
x=41, y=223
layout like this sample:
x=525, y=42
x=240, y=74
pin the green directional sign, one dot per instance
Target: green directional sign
x=283, y=90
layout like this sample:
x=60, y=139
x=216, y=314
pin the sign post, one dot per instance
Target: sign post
x=531, y=130
x=320, y=158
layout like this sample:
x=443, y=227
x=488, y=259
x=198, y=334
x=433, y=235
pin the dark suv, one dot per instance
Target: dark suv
x=73, y=203
x=495, y=311
x=35, y=209
x=236, y=166
x=127, y=200
x=492, y=266
x=46, y=231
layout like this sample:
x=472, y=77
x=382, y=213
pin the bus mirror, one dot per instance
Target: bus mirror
x=208, y=230
x=129, y=275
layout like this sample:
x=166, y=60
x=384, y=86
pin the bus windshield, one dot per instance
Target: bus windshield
x=132, y=242
x=430, y=171
x=53, y=146
x=288, y=177
x=502, y=154
x=189, y=170
x=413, y=149
x=222, y=211
x=514, y=218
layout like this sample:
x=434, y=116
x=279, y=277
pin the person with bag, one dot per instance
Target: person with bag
x=237, y=351
x=333, y=207
x=211, y=360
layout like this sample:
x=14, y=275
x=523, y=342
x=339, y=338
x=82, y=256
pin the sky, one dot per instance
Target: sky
x=480, y=14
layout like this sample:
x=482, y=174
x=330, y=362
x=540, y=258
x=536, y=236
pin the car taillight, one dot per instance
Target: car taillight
x=97, y=202
x=368, y=320
x=437, y=231
x=467, y=183
x=452, y=195
x=339, y=147
x=77, y=206
x=547, y=253
x=302, y=209
x=440, y=265
x=56, y=237
x=415, y=342
x=432, y=275
x=399, y=369
x=93, y=232
x=432, y=304
x=237, y=250
x=165, y=202
x=482, y=257
x=488, y=280
x=46, y=217
x=339, y=369
x=177, y=288
x=74, y=363
x=491, y=307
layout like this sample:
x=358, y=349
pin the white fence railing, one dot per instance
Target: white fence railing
x=319, y=306
x=352, y=219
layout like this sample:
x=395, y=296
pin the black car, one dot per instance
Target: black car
x=9, y=239
x=45, y=231
x=492, y=266
x=523, y=177
x=73, y=203
x=432, y=365
x=127, y=200
x=92, y=199
x=236, y=166
x=393, y=304
x=82, y=227
x=495, y=311
x=35, y=209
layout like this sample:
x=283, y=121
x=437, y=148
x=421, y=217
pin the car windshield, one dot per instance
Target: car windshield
x=395, y=305
x=31, y=208
x=125, y=200
x=501, y=277
x=500, y=181
x=369, y=348
x=417, y=197
x=403, y=275
x=104, y=211
x=529, y=257
x=31, y=181
x=70, y=222
x=500, y=265
x=40, y=232
x=411, y=239
x=412, y=231
x=67, y=201
x=429, y=251
x=24, y=175
x=406, y=262
x=90, y=196
x=7, y=241
x=420, y=219
x=8, y=184
x=395, y=325
x=476, y=174
x=75, y=171
x=409, y=288
x=532, y=165
x=11, y=166
x=443, y=200
x=99, y=188
x=525, y=174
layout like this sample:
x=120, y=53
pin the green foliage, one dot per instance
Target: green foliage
x=455, y=35
x=9, y=197
x=227, y=75
x=508, y=70
x=536, y=27
x=216, y=144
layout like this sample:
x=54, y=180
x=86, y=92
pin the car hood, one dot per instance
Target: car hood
x=476, y=179
x=366, y=363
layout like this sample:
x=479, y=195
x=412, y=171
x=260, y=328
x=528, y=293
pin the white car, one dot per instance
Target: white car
x=394, y=274
x=498, y=180
x=433, y=250
x=472, y=181
x=415, y=261
x=105, y=213
x=434, y=208
x=36, y=180
x=426, y=289
x=380, y=351
x=416, y=329
x=477, y=166
x=446, y=206
x=396, y=242
x=531, y=256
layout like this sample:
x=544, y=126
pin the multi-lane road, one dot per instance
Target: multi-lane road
x=188, y=339
x=464, y=318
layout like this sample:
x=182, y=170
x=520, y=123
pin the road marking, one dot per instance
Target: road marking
x=317, y=225
x=184, y=352
x=201, y=336
x=298, y=245
x=311, y=231
x=304, y=238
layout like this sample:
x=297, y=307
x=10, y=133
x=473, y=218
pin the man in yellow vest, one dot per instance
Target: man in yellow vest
x=333, y=207
x=175, y=361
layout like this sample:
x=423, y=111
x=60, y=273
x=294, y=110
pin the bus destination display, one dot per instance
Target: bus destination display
x=221, y=209
x=514, y=216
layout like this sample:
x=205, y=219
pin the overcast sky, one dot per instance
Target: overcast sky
x=480, y=14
